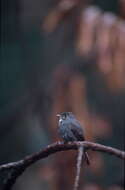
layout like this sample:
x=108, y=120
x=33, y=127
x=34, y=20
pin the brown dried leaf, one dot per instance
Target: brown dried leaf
x=86, y=33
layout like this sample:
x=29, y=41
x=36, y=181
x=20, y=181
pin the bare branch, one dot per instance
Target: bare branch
x=15, y=169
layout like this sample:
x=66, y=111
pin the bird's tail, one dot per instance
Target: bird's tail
x=79, y=162
x=87, y=158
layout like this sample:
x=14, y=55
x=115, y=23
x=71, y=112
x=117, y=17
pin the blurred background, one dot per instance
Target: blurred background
x=65, y=55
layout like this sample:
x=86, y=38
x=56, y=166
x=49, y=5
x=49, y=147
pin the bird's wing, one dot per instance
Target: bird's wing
x=77, y=132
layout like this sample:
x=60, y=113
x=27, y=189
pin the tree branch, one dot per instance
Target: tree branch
x=15, y=169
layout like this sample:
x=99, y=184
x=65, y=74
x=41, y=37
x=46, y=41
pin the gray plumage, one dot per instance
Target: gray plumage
x=69, y=128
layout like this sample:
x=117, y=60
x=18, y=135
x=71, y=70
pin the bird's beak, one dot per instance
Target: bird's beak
x=58, y=115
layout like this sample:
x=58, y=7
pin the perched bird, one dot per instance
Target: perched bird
x=71, y=130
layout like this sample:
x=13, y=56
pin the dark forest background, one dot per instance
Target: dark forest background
x=52, y=62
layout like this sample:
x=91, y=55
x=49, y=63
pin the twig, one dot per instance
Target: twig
x=78, y=167
x=15, y=169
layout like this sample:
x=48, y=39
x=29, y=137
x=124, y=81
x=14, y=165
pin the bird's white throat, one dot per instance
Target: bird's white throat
x=60, y=120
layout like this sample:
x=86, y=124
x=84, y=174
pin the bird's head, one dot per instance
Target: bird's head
x=65, y=115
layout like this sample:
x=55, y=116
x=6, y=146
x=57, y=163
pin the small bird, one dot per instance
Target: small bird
x=71, y=130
